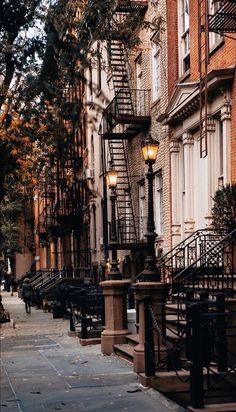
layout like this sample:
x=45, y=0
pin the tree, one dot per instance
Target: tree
x=21, y=48
x=224, y=208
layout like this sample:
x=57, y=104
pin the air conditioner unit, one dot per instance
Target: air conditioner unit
x=89, y=173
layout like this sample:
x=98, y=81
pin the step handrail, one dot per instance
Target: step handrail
x=53, y=281
x=229, y=235
x=39, y=278
x=50, y=280
x=162, y=259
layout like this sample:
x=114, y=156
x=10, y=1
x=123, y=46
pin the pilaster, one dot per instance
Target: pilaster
x=175, y=191
x=188, y=141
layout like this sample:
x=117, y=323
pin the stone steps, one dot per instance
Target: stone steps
x=126, y=350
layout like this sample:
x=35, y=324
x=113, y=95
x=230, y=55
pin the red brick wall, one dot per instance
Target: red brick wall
x=172, y=39
x=233, y=132
x=222, y=57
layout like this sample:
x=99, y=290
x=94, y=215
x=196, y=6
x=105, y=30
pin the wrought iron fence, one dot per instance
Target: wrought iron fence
x=125, y=107
x=204, y=350
x=87, y=315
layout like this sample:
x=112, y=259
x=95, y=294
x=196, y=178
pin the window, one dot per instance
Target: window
x=155, y=71
x=99, y=68
x=90, y=83
x=142, y=216
x=139, y=73
x=159, y=203
x=92, y=152
x=184, y=35
x=94, y=227
x=214, y=38
x=221, y=156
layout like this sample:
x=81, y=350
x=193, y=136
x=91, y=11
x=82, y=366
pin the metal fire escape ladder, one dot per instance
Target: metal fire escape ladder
x=126, y=220
x=117, y=148
x=203, y=59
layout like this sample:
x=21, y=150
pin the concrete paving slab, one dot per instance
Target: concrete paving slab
x=44, y=370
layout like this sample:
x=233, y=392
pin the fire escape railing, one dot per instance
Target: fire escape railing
x=224, y=20
x=121, y=111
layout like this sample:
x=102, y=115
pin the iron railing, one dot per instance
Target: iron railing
x=224, y=20
x=203, y=355
x=125, y=230
x=188, y=252
x=127, y=105
x=212, y=270
x=87, y=314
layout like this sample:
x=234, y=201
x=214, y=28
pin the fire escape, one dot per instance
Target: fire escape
x=127, y=115
x=222, y=21
x=63, y=193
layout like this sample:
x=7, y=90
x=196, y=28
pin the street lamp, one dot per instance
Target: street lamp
x=114, y=273
x=150, y=149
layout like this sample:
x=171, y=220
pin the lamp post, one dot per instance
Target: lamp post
x=150, y=149
x=114, y=273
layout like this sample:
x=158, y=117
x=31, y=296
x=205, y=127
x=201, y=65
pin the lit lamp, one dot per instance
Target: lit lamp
x=111, y=177
x=150, y=149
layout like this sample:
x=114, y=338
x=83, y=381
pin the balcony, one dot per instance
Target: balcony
x=224, y=20
x=128, y=6
x=69, y=215
x=130, y=233
x=127, y=114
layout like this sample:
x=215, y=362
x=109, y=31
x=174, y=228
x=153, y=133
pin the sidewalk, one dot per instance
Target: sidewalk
x=42, y=370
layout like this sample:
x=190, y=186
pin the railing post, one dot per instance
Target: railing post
x=196, y=368
x=149, y=352
x=84, y=331
x=72, y=326
x=205, y=329
x=189, y=300
x=221, y=345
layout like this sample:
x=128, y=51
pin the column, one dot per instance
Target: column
x=189, y=222
x=175, y=192
x=226, y=120
x=213, y=151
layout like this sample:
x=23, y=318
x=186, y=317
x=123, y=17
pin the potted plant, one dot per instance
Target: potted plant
x=224, y=208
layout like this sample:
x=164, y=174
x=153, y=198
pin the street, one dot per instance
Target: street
x=43, y=369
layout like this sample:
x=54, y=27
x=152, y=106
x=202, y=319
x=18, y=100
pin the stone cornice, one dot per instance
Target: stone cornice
x=185, y=99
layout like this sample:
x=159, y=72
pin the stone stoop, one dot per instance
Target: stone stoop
x=224, y=407
x=126, y=350
x=166, y=382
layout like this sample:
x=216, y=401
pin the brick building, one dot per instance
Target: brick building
x=201, y=109
x=131, y=86
x=157, y=87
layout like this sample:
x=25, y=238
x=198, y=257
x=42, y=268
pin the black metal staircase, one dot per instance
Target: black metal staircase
x=127, y=232
x=224, y=20
x=126, y=115
x=129, y=112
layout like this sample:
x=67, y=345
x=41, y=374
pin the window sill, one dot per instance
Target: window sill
x=216, y=46
x=184, y=76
